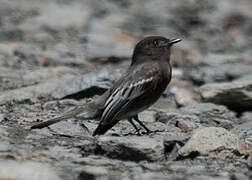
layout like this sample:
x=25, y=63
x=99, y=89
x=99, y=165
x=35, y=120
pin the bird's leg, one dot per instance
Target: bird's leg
x=133, y=124
x=139, y=122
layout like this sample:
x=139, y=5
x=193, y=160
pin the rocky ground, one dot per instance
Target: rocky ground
x=55, y=55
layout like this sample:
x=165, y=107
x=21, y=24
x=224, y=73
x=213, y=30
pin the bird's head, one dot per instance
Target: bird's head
x=153, y=48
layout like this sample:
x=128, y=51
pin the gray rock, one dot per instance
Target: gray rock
x=245, y=117
x=62, y=152
x=3, y=131
x=1, y=117
x=97, y=160
x=245, y=77
x=234, y=70
x=10, y=78
x=244, y=131
x=91, y=173
x=238, y=176
x=249, y=161
x=222, y=59
x=11, y=34
x=6, y=50
x=179, y=121
x=147, y=116
x=33, y=137
x=43, y=37
x=219, y=73
x=186, y=97
x=26, y=170
x=45, y=74
x=87, y=85
x=235, y=95
x=14, y=79
x=207, y=177
x=33, y=92
x=214, y=142
x=157, y=176
x=61, y=57
x=68, y=129
x=110, y=46
x=5, y=146
x=171, y=117
x=84, y=35
x=173, y=144
x=10, y=73
x=212, y=114
x=199, y=115
x=170, y=140
x=2, y=60
x=135, y=148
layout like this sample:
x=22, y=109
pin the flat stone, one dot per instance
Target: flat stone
x=244, y=131
x=245, y=77
x=170, y=140
x=186, y=97
x=249, y=161
x=147, y=116
x=87, y=85
x=93, y=173
x=1, y=117
x=62, y=153
x=46, y=74
x=3, y=131
x=156, y=175
x=214, y=142
x=245, y=117
x=238, y=176
x=6, y=49
x=198, y=115
x=26, y=170
x=32, y=92
x=180, y=121
x=235, y=95
x=173, y=144
x=212, y=115
x=219, y=73
x=5, y=146
x=68, y=129
x=134, y=148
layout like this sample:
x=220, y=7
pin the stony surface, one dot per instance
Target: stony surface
x=199, y=115
x=56, y=55
x=245, y=117
x=135, y=148
x=87, y=85
x=214, y=142
x=26, y=170
x=235, y=95
x=244, y=131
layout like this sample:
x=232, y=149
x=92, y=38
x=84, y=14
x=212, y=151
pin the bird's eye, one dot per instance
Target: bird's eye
x=155, y=42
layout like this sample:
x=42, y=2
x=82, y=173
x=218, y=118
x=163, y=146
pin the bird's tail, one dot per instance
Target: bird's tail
x=49, y=122
x=80, y=112
x=103, y=128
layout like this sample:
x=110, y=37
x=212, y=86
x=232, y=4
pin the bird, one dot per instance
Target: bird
x=140, y=87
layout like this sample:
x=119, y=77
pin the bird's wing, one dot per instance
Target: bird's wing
x=134, y=85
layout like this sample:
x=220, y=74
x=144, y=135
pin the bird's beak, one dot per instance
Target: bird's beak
x=173, y=41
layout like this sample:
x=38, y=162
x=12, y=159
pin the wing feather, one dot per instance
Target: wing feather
x=121, y=97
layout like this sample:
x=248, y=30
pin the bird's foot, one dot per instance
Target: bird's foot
x=84, y=127
x=138, y=132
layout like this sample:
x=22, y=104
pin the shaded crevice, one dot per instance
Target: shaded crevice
x=87, y=93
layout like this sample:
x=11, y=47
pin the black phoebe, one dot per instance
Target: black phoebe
x=141, y=86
